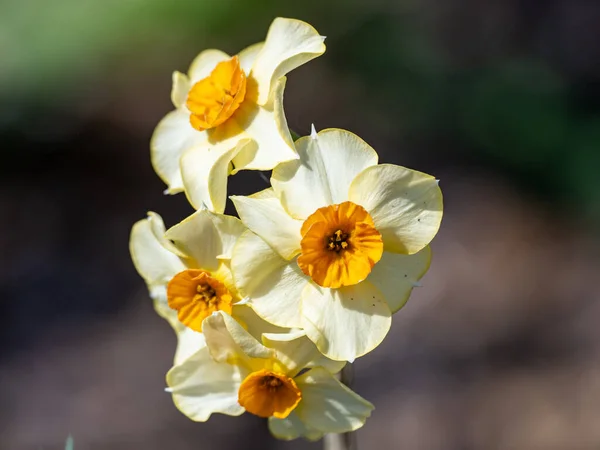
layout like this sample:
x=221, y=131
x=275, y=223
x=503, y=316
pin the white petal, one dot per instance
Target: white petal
x=292, y=428
x=345, y=323
x=188, y=343
x=396, y=275
x=180, y=90
x=206, y=237
x=228, y=342
x=205, y=170
x=329, y=406
x=158, y=293
x=202, y=386
x=172, y=137
x=267, y=218
x=267, y=125
x=272, y=284
x=406, y=205
x=204, y=64
x=293, y=349
x=253, y=323
x=328, y=164
x=153, y=261
x=289, y=44
x=248, y=56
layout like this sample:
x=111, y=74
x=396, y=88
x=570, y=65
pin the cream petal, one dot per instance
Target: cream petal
x=292, y=428
x=396, y=275
x=272, y=284
x=329, y=406
x=201, y=386
x=180, y=90
x=205, y=170
x=289, y=44
x=204, y=64
x=188, y=343
x=207, y=237
x=406, y=205
x=329, y=161
x=267, y=218
x=297, y=352
x=253, y=323
x=152, y=260
x=158, y=293
x=345, y=323
x=248, y=56
x=172, y=137
x=228, y=342
x=267, y=125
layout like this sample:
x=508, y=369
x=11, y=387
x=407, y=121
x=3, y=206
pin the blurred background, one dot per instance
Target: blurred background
x=500, y=99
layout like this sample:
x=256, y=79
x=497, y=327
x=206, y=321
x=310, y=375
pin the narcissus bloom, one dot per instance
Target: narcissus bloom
x=338, y=243
x=187, y=272
x=285, y=379
x=229, y=114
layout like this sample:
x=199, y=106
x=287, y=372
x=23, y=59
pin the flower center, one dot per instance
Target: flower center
x=340, y=245
x=196, y=295
x=265, y=394
x=215, y=98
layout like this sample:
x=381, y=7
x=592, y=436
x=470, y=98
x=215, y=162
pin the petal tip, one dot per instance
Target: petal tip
x=313, y=131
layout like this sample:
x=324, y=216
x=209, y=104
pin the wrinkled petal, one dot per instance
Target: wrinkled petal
x=248, y=56
x=181, y=88
x=272, y=285
x=205, y=170
x=396, y=275
x=297, y=352
x=292, y=428
x=188, y=343
x=228, y=342
x=206, y=237
x=267, y=218
x=329, y=161
x=204, y=64
x=152, y=260
x=268, y=127
x=289, y=44
x=329, y=406
x=345, y=323
x=405, y=205
x=202, y=386
x=172, y=137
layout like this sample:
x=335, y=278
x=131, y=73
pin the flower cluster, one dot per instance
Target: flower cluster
x=270, y=306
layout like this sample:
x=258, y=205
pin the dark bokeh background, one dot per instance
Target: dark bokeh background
x=500, y=99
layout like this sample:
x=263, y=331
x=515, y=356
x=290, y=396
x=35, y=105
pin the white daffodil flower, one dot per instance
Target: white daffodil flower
x=338, y=243
x=187, y=272
x=229, y=114
x=285, y=379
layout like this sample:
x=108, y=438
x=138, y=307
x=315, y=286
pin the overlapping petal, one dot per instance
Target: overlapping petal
x=204, y=63
x=329, y=161
x=171, y=138
x=405, y=205
x=292, y=428
x=202, y=386
x=345, y=323
x=206, y=237
x=396, y=275
x=289, y=44
x=272, y=284
x=267, y=218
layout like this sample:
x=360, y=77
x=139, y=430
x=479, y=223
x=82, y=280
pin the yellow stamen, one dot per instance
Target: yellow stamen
x=196, y=295
x=265, y=394
x=340, y=245
x=215, y=98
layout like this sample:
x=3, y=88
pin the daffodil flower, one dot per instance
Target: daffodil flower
x=229, y=114
x=337, y=244
x=285, y=379
x=187, y=272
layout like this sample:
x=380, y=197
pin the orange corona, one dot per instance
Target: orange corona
x=265, y=394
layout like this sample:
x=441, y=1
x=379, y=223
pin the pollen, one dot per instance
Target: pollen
x=265, y=394
x=214, y=99
x=195, y=294
x=340, y=245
